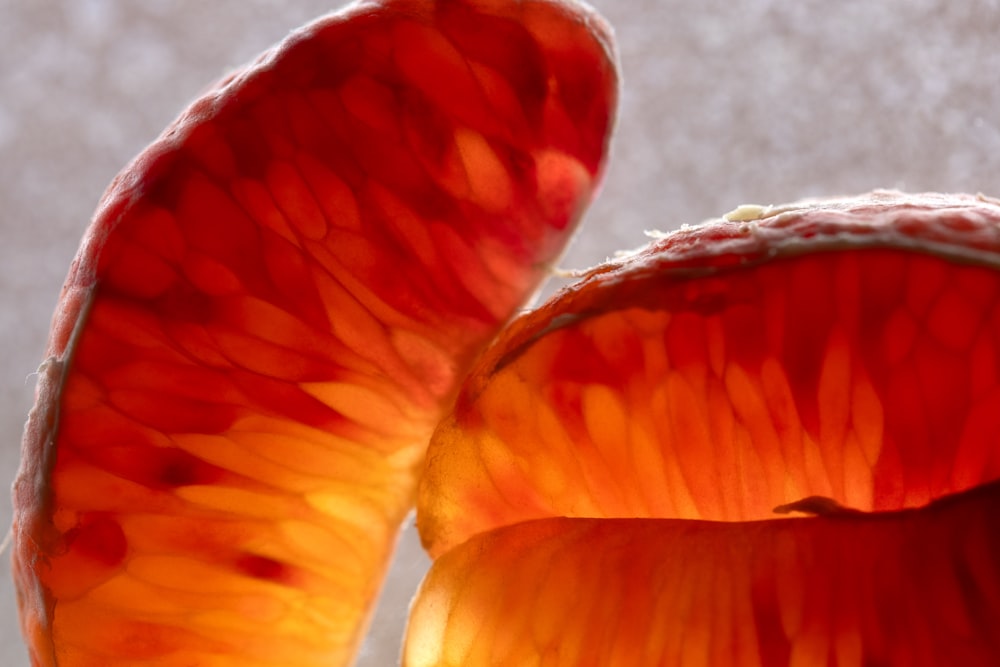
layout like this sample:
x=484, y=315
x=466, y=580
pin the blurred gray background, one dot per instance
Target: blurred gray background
x=725, y=102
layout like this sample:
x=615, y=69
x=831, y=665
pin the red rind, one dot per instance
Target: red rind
x=961, y=228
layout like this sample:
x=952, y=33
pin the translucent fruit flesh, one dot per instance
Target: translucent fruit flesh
x=821, y=375
x=644, y=424
x=270, y=312
x=916, y=588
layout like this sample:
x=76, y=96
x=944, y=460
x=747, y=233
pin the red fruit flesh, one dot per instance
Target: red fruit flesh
x=835, y=357
x=917, y=588
x=270, y=312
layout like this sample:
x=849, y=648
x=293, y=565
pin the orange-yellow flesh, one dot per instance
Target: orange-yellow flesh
x=271, y=311
x=868, y=376
x=918, y=588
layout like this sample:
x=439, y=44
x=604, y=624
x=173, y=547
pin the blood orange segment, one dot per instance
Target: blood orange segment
x=620, y=453
x=846, y=349
x=268, y=315
x=916, y=587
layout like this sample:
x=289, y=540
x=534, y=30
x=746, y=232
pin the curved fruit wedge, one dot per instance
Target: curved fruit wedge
x=916, y=587
x=620, y=453
x=268, y=315
x=844, y=349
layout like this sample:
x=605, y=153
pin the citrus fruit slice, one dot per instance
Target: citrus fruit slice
x=270, y=311
x=837, y=357
x=915, y=587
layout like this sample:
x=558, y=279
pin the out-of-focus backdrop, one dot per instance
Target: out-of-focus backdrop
x=724, y=102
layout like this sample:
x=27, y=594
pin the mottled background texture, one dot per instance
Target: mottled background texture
x=725, y=102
